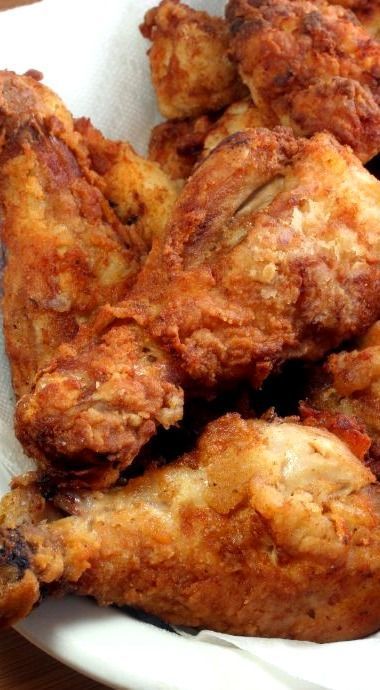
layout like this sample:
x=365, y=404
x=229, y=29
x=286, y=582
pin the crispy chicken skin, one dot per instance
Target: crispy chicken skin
x=99, y=402
x=272, y=253
x=140, y=192
x=310, y=65
x=176, y=145
x=350, y=384
x=64, y=253
x=269, y=529
x=191, y=71
x=367, y=11
x=179, y=145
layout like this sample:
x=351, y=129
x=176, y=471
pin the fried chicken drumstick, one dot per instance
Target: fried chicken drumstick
x=272, y=253
x=268, y=529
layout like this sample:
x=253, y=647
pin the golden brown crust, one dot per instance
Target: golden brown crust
x=264, y=529
x=252, y=250
x=191, y=71
x=241, y=115
x=262, y=263
x=312, y=66
x=98, y=402
x=350, y=385
x=367, y=11
x=140, y=193
x=64, y=253
x=177, y=145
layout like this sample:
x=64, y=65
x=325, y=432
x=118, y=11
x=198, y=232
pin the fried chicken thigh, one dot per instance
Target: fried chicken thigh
x=272, y=253
x=191, y=70
x=311, y=66
x=63, y=245
x=268, y=529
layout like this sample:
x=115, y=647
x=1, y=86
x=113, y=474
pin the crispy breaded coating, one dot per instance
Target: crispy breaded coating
x=272, y=253
x=98, y=403
x=191, y=70
x=350, y=384
x=138, y=190
x=63, y=246
x=367, y=11
x=312, y=66
x=238, y=116
x=179, y=145
x=269, y=529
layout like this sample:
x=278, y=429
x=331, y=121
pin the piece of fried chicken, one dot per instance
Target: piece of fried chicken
x=367, y=11
x=140, y=193
x=272, y=253
x=63, y=245
x=180, y=144
x=269, y=529
x=350, y=384
x=311, y=66
x=190, y=67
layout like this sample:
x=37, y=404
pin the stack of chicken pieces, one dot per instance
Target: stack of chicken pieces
x=249, y=238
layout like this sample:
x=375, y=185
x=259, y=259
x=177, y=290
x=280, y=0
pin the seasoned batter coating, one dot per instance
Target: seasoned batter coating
x=63, y=245
x=272, y=253
x=367, y=11
x=138, y=190
x=179, y=145
x=103, y=398
x=191, y=70
x=350, y=384
x=310, y=65
x=269, y=529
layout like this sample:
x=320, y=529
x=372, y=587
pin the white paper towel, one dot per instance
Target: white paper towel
x=92, y=54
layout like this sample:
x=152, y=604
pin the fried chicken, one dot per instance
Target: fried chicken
x=64, y=253
x=138, y=190
x=268, y=529
x=176, y=145
x=103, y=398
x=272, y=253
x=310, y=65
x=179, y=145
x=191, y=70
x=367, y=11
x=349, y=384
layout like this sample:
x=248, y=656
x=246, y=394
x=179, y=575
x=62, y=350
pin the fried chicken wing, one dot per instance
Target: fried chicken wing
x=268, y=529
x=312, y=66
x=138, y=190
x=191, y=70
x=350, y=385
x=64, y=253
x=272, y=253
